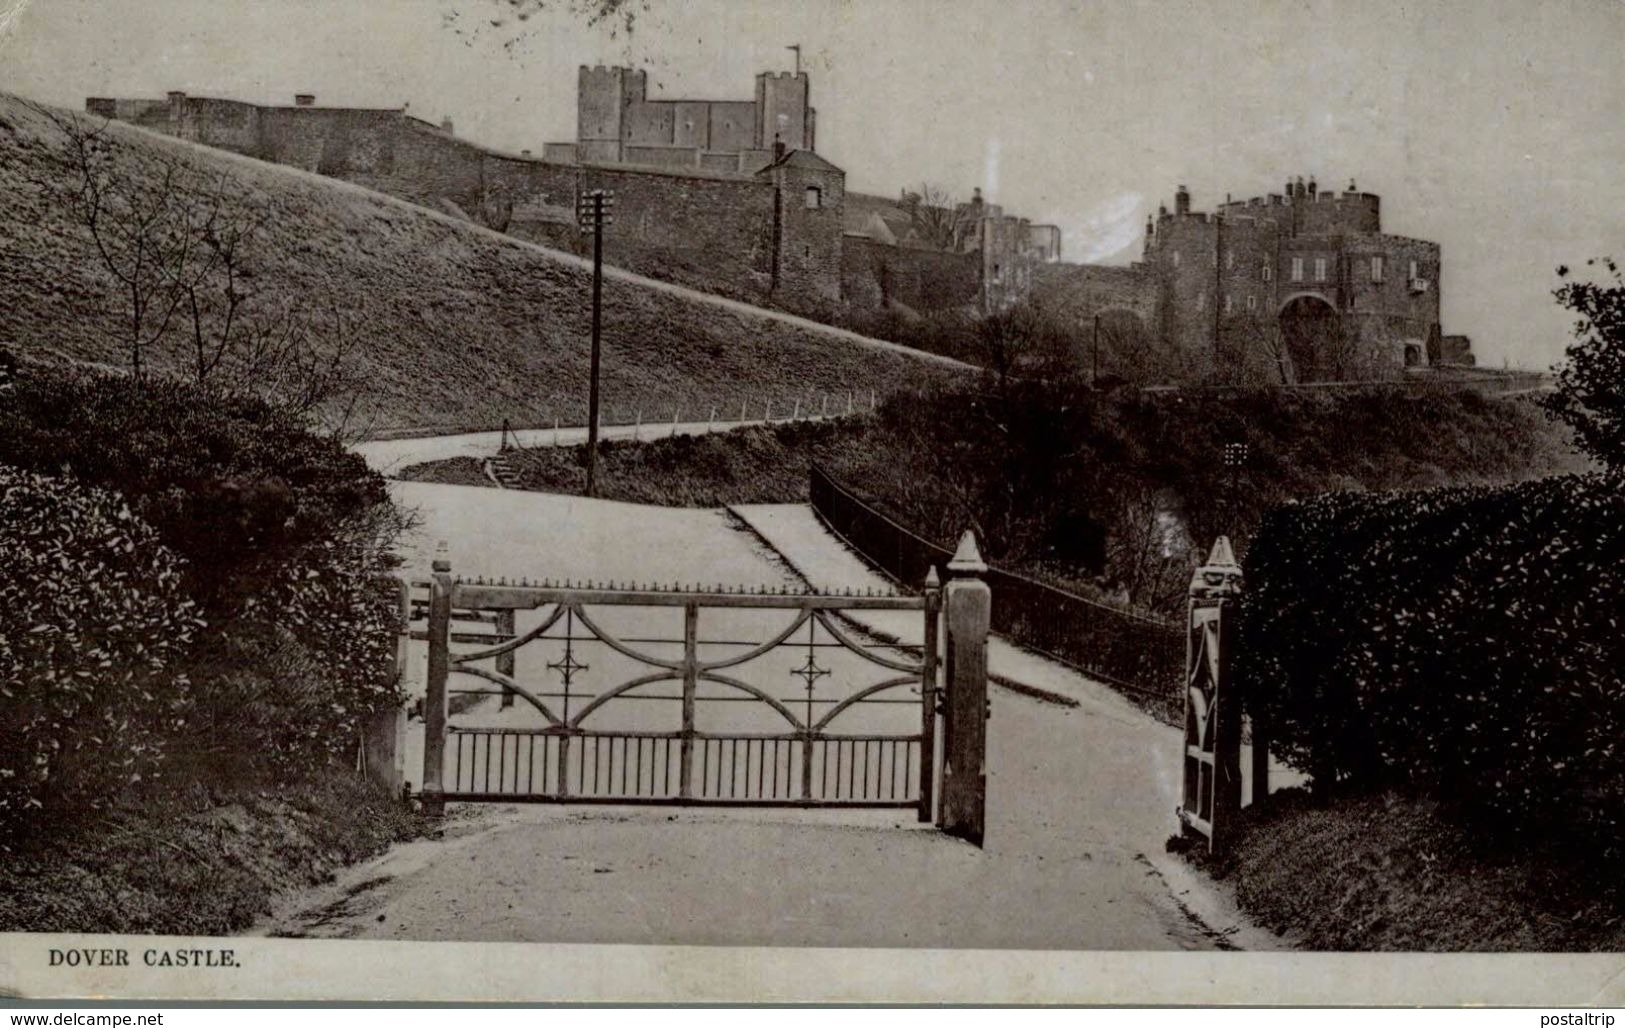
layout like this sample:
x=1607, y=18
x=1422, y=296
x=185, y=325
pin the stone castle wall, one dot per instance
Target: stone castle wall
x=703, y=228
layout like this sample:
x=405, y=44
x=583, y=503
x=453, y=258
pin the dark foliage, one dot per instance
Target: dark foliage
x=1465, y=642
x=232, y=484
x=94, y=629
x=1590, y=396
x=206, y=587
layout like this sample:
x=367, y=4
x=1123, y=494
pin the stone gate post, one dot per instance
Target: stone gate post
x=434, y=701
x=967, y=603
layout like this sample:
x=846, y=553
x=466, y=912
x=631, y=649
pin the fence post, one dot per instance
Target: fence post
x=675, y=413
x=434, y=701
x=1211, y=795
x=505, y=661
x=637, y=424
x=711, y=420
x=968, y=603
x=796, y=414
x=744, y=409
x=555, y=430
x=767, y=415
x=502, y=444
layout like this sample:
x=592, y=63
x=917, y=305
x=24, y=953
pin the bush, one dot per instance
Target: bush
x=1465, y=642
x=310, y=656
x=231, y=484
x=94, y=627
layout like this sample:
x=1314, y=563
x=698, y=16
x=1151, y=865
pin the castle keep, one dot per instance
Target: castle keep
x=617, y=123
x=730, y=196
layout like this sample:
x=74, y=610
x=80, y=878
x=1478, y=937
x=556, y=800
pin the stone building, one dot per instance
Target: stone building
x=1301, y=285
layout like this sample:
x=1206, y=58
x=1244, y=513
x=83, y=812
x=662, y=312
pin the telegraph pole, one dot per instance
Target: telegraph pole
x=593, y=211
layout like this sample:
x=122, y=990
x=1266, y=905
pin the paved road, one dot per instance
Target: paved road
x=1079, y=806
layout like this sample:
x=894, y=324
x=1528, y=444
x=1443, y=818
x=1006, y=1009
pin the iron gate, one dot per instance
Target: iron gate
x=692, y=702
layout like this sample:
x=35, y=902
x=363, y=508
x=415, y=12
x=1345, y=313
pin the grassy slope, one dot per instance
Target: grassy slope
x=195, y=860
x=1394, y=873
x=464, y=326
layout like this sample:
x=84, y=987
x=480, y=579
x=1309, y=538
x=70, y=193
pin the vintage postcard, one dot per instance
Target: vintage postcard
x=828, y=501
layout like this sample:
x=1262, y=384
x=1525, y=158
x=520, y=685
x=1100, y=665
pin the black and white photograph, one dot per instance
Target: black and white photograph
x=834, y=490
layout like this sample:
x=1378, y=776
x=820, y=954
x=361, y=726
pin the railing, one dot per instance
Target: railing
x=1133, y=652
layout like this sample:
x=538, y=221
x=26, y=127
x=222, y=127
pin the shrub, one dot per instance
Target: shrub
x=94, y=626
x=231, y=484
x=1461, y=641
x=308, y=658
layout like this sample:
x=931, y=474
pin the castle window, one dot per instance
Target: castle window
x=1201, y=300
x=815, y=198
x=1297, y=269
x=1269, y=271
x=1376, y=269
x=1229, y=260
x=1414, y=275
x=1176, y=258
x=1320, y=269
x=1252, y=303
x=1229, y=304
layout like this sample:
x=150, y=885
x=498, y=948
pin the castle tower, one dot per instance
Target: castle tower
x=782, y=110
x=604, y=96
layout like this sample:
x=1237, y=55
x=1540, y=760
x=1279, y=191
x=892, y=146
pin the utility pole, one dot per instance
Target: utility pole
x=593, y=211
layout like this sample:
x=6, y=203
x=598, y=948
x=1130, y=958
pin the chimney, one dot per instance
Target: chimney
x=304, y=99
x=778, y=147
x=1182, y=200
x=1313, y=189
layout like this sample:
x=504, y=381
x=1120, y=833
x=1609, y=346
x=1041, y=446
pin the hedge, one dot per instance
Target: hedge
x=230, y=483
x=1465, y=642
x=93, y=626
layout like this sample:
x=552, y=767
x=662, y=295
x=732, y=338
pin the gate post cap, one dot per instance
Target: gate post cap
x=1220, y=576
x=442, y=557
x=932, y=579
x=967, y=559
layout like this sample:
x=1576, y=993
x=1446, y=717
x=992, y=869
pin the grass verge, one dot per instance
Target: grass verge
x=193, y=858
x=1389, y=872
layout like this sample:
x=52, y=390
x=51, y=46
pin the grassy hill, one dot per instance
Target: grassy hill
x=457, y=326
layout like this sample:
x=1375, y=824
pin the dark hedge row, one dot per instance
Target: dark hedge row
x=191, y=589
x=1466, y=642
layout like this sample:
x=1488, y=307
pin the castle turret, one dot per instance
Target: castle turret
x=782, y=110
x=1182, y=201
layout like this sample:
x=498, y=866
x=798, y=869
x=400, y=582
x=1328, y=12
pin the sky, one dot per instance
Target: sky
x=1493, y=127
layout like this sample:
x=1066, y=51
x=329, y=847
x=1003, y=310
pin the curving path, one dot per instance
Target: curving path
x=1079, y=805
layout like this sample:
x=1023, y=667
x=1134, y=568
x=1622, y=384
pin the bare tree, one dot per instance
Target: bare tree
x=182, y=246
x=142, y=232
x=1258, y=350
x=938, y=219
